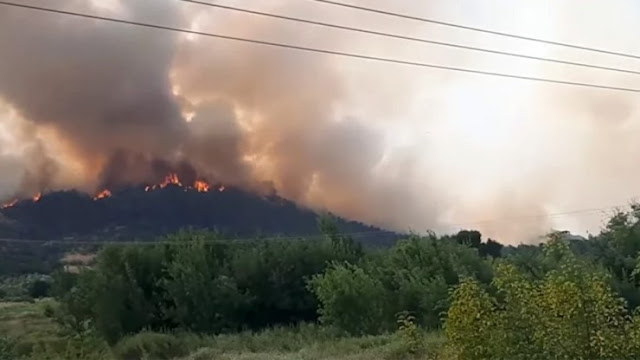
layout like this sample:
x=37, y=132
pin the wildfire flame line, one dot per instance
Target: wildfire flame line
x=13, y=202
x=201, y=186
x=171, y=179
x=103, y=194
x=9, y=204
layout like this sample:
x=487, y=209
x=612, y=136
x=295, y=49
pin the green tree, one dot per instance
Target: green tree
x=471, y=324
x=39, y=288
x=350, y=299
x=571, y=313
x=418, y=272
x=201, y=296
x=120, y=295
x=274, y=276
x=344, y=246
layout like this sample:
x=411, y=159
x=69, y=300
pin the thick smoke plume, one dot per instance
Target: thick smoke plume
x=131, y=105
x=92, y=105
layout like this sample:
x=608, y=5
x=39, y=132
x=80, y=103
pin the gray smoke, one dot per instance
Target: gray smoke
x=101, y=105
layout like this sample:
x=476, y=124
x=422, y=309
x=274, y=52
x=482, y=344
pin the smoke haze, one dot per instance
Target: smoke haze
x=89, y=104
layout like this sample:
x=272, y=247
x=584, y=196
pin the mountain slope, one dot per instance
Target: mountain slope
x=135, y=213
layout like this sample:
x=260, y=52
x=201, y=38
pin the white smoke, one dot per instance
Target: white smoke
x=398, y=146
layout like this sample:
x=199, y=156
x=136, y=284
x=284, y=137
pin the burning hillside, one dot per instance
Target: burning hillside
x=171, y=179
x=120, y=108
x=142, y=211
x=174, y=179
x=94, y=106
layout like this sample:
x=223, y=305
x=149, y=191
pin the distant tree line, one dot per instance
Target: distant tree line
x=25, y=287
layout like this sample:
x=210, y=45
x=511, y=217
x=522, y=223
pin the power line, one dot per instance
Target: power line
x=225, y=240
x=410, y=38
x=471, y=28
x=323, y=51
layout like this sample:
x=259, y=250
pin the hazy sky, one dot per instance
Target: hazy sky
x=403, y=147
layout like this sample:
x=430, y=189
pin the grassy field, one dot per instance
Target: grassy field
x=27, y=328
x=18, y=319
x=32, y=335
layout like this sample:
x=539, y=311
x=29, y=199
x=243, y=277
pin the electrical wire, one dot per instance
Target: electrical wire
x=323, y=51
x=168, y=28
x=482, y=30
x=409, y=38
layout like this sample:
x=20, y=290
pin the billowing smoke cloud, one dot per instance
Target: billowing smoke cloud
x=102, y=105
x=101, y=88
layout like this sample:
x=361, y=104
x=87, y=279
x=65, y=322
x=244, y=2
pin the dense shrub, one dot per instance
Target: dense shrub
x=39, y=289
x=201, y=295
x=194, y=281
x=6, y=348
x=571, y=313
x=24, y=287
x=149, y=345
x=414, y=277
x=352, y=300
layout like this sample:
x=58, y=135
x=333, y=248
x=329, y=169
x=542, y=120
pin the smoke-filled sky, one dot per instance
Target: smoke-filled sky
x=88, y=104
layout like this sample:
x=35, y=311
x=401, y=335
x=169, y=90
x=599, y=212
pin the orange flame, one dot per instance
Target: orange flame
x=37, y=197
x=9, y=204
x=171, y=179
x=103, y=194
x=201, y=186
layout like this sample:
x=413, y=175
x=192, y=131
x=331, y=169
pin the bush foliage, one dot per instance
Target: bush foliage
x=569, y=299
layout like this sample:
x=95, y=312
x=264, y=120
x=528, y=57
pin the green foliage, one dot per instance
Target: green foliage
x=201, y=295
x=526, y=302
x=571, y=313
x=414, y=276
x=617, y=249
x=63, y=282
x=274, y=274
x=563, y=300
x=120, y=295
x=34, y=341
x=410, y=336
x=427, y=297
x=77, y=307
x=193, y=281
x=6, y=348
x=473, y=239
x=149, y=345
x=73, y=348
x=418, y=272
x=470, y=326
x=27, y=334
x=352, y=300
x=23, y=287
x=344, y=246
x=39, y=289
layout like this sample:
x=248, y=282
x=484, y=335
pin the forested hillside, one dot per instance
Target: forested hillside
x=35, y=235
x=135, y=213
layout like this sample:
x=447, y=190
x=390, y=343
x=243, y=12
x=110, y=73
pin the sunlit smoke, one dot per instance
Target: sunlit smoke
x=97, y=106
